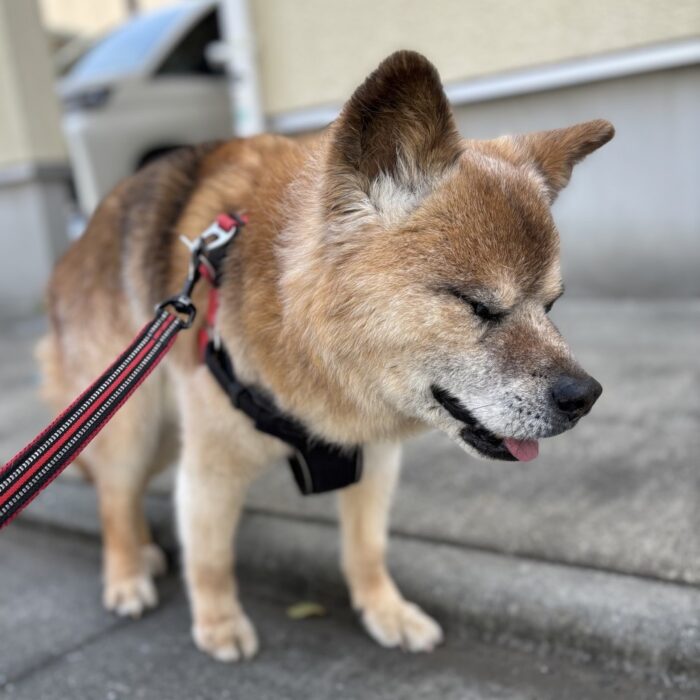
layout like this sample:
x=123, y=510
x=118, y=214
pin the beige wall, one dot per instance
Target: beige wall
x=89, y=16
x=313, y=52
x=29, y=115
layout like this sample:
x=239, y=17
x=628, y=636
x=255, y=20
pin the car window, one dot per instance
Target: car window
x=188, y=57
x=129, y=47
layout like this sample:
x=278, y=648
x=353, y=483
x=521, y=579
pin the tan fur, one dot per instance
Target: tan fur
x=345, y=299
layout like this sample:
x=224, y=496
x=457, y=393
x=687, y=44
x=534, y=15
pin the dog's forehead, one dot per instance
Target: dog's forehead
x=496, y=221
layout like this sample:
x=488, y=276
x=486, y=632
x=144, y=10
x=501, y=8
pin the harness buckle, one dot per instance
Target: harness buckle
x=217, y=235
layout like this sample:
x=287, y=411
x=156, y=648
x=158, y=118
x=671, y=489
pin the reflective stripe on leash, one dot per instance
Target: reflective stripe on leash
x=50, y=452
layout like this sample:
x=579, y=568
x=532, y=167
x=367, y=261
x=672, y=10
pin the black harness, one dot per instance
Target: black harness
x=317, y=465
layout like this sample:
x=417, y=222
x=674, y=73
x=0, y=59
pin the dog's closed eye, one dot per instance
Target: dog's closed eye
x=483, y=311
x=548, y=306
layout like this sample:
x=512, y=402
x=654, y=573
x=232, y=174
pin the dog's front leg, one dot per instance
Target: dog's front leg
x=364, y=512
x=210, y=493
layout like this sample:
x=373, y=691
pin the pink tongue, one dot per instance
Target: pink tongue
x=523, y=450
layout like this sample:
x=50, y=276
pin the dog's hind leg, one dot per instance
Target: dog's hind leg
x=121, y=461
x=364, y=513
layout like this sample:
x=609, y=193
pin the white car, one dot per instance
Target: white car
x=144, y=89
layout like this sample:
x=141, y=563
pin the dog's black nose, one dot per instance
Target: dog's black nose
x=575, y=396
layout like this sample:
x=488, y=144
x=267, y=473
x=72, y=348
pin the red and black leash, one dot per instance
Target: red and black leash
x=45, y=457
x=60, y=443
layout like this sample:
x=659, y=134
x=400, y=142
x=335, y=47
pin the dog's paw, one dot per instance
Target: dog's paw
x=130, y=597
x=227, y=640
x=398, y=623
x=154, y=560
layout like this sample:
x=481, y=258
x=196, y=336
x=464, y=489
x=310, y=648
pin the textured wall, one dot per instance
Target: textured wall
x=89, y=16
x=29, y=116
x=314, y=52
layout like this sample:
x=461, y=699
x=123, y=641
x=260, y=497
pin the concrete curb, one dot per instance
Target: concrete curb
x=642, y=626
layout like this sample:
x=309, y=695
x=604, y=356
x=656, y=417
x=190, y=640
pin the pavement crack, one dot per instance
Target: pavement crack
x=51, y=660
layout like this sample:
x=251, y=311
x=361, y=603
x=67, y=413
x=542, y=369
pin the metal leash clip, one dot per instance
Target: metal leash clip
x=212, y=239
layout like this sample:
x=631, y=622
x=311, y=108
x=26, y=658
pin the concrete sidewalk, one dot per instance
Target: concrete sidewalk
x=57, y=643
x=583, y=554
x=75, y=650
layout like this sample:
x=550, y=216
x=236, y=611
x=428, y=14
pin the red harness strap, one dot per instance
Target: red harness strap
x=207, y=332
x=209, y=269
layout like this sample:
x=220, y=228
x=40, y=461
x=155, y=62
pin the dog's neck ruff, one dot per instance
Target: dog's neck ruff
x=317, y=465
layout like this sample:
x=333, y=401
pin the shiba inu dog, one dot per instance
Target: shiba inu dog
x=393, y=277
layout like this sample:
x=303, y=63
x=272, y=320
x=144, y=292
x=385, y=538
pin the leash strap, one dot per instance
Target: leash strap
x=50, y=452
x=40, y=462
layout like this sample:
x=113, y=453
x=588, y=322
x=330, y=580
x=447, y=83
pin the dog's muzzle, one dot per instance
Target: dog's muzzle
x=473, y=433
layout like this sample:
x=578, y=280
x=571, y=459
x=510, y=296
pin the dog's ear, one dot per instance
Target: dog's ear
x=554, y=153
x=393, y=139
